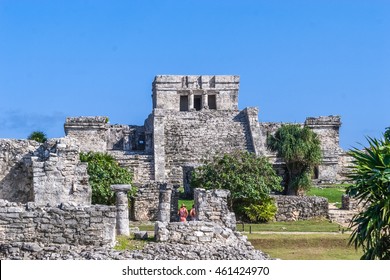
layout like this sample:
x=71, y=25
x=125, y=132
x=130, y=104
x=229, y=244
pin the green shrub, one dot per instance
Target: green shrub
x=38, y=136
x=103, y=172
x=263, y=212
x=248, y=177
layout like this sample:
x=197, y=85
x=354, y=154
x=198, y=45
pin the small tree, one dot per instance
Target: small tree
x=371, y=177
x=301, y=151
x=103, y=172
x=249, y=178
x=38, y=136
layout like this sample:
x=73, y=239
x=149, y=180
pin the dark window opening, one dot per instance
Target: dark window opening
x=183, y=103
x=141, y=142
x=212, y=102
x=316, y=173
x=198, y=102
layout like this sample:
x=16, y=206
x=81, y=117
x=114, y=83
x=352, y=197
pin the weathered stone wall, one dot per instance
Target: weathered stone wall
x=349, y=203
x=118, y=137
x=66, y=224
x=212, y=236
x=213, y=206
x=145, y=205
x=168, y=90
x=141, y=165
x=293, y=208
x=59, y=175
x=16, y=178
x=194, y=232
x=90, y=132
x=126, y=137
x=190, y=137
x=48, y=173
x=327, y=128
x=344, y=167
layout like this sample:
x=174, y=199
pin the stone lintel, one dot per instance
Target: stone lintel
x=323, y=121
x=121, y=187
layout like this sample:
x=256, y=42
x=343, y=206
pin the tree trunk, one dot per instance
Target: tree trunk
x=292, y=174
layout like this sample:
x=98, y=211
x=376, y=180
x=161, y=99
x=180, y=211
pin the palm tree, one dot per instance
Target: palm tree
x=301, y=151
x=371, y=177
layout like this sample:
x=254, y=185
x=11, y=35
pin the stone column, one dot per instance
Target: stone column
x=191, y=101
x=158, y=145
x=205, y=101
x=164, y=206
x=122, y=209
x=126, y=140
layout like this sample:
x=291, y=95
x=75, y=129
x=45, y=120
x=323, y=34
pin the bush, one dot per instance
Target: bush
x=262, y=212
x=103, y=172
x=249, y=178
x=38, y=136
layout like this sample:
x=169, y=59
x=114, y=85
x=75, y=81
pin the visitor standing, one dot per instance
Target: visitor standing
x=183, y=213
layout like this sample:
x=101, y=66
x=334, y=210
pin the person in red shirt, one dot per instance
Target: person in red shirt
x=183, y=213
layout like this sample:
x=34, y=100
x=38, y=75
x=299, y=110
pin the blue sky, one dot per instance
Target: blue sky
x=295, y=59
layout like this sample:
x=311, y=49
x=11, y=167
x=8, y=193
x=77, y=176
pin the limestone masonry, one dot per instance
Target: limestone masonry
x=45, y=197
x=193, y=118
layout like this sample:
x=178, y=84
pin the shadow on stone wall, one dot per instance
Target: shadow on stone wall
x=16, y=176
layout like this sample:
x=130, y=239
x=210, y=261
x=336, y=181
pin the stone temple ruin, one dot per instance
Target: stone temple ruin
x=193, y=118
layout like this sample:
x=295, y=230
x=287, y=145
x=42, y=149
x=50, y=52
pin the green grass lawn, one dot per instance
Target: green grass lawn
x=295, y=226
x=305, y=246
x=333, y=194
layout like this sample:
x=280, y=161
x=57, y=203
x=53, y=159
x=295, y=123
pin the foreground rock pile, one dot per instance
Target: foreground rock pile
x=152, y=251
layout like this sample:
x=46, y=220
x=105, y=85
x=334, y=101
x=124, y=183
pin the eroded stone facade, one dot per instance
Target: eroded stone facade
x=48, y=173
x=194, y=118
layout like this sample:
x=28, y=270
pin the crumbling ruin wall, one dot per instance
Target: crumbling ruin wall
x=213, y=235
x=128, y=144
x=65, y=224
x=90, y=132
x=48, y=173
x=294, y=208
x=16, y=177
x=195, y=232
x=213, y=219
x=213, y=206
x=187, y=138
x=59, y=175
x=345, y=164
x=327, y=128
x=145, y=204
x=140, y=165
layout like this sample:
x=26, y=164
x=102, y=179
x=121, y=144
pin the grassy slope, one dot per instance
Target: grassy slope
x=296, y=226
x=305, y=246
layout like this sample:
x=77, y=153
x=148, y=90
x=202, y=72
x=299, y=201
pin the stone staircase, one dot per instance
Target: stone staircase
x=340, y=216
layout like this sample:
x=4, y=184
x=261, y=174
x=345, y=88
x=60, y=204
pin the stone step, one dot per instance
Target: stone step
x=341, y=216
